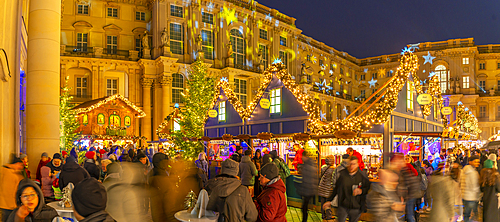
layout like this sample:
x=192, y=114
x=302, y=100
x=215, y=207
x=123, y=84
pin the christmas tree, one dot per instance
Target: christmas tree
x=67, y=119
x=197, y=100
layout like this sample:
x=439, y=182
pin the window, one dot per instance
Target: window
x=177, y=126
x=409, y=95
x=177, y=87
x=443, y=78
x=138, y=46
x=362, y=94
x=207, y=18
x=283, y=57
x=374, y=75
x=140, y=16
x=362, y=77
x=263, y=50
x=241, y=90
x=81, y=87
x=275, y=101
x=222, y=111
x=282, y=41
x=81, y=42
x=207, y=44
x=82, y=9
x=373, y=91
x=482, y=65
x=482, y=84
x=238, y=47
x=341, y=71
x=112, y=44
x=176, y=11
x=320, y=62
x=498, y=65
x=339, y=111
x=465, y=82
x=388, y=74
x=263, y=34
x=498, y=111
x=113, y=12
x=482, y=111
x=111, y=87
x=176, y=38
x=465, y=61
x=308, y=57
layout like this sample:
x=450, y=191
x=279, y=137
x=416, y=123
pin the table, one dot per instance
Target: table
x=187, y=216
x=63, y=211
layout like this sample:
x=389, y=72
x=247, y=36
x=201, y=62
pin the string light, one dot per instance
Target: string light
x=108, y=99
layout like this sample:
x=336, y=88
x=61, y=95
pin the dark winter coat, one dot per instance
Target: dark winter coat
x=100, y=216
x=490, y=200
x=309, y=184
x=72, y=173
x=325, y=187
x=231, y=199
x=202, y=164
x=380, y=201
x=409, y=183
x=343, y=188
x=271, y=203
x=257, y=160
x=92, y=169
x=335, y=177
x=54, y=168
x=247, y=171
x=42, y=213
x=125, y=158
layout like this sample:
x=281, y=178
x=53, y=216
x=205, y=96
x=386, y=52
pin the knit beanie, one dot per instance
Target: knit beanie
x=473, y=157
x=64, y=153
x=269, y=171
x=22, y=156
x=230, y=167
x=90, y=155
x=102, y=151
x=488, y=164
x=89, y=196
x=56, y=156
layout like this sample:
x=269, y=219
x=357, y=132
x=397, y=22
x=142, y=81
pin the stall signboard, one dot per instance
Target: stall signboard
x=281, y=140
x=264, y=103
x=446, y=110
x=236, y=142
x=212, y=113
x=424, y=99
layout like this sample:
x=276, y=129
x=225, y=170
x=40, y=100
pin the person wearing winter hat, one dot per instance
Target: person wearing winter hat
x=226, y=190
x=490, y=185
x=89, y=201
x=10, y=175
x=31, y=204
x=45, y=159
x=271, y=203
x=72, y=173
x=90, y=165
x=56, y=164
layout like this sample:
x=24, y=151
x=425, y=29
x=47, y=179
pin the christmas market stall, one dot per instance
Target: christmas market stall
x=109, y=121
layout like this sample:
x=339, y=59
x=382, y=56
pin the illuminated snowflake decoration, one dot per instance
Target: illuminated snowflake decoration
x=322, y=115
x=224, y=79
x=210, y=6
x=269, y=17
x=346, y=111
x=431, y=74
x=277, y=60
x=372, y=82
x=414, y=47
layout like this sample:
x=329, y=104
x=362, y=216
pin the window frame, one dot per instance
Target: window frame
x=265, y=55
x=208, y=49
x=207, y=18
x=83, y=9
x=362, y=77
x=482, y=84
x=113, y=10
x=465, y=61
x=221, y=114
x=138, y=46
x=81, y=88
x=110, y=90
x=443, y=76
x=409, y=96
x=283, y=41
x=238, y=41
x=175, y=9
x=261, y=32
x=482, y=65
x=177, y=87
x=142, y=16
x=483, y=113
x=276, y=102
x=112, y=48
x=82, y=45
x=374, y=75
x=240, y=91
x=465, y=82
x=174, y=42
x=284, y=57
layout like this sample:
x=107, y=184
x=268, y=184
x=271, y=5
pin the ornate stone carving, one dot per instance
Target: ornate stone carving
x=147, y=82
x=165, y=80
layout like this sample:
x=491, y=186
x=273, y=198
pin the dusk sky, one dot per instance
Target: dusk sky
x=365, y=28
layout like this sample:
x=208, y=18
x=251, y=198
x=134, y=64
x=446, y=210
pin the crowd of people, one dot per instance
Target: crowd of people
x=133, y=184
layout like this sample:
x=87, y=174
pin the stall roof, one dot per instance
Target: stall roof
x=431, y=134
x=96, y=103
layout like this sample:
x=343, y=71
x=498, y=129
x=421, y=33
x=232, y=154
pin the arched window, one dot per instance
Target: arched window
x=238, y=43
x=443, y=78
x=177, y=87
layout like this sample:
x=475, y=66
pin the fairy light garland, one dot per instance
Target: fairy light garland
x=106, y=100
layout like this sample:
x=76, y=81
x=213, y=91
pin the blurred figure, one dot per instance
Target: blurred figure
x=409, y=184
x=71, y=173
x=229, y=197
x=442, y=199
x=112, y=157
x=114, y=174
x=335, y=176
x=89, y=201
x=271, y=203
x=158, y=192
x=492, y=157
x=47, y=180
x=436, y=161
x=202, y=165
x=351, y=187
x=237, y=155
x=455, y=172
x=298, y=155
x=56, y=164
x=90, y=165
x=26, y=172
x=45, y=159
x=10, y=175
x=382, y=199
x=426, y=166
x=266, y=159
x=104, y=169
x=125, y=156
x=308, y=187
x=325, y=188
x=31, y=204
x=126, y=193
x=284, y=171
x=358, y=156
x=247, y=171
x=490, y=186
x=470, y=189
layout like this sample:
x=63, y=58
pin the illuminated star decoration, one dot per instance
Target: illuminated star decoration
x=372, y=82
x=321, y=85
x=431, y=74
x=229, y=15
x=224, y=79
x=322, y=115
x=366, y=70
x=328, y=88
x=268, y=17
x=331, y=72
x=428, y=58
x=422, y=82
x=210, y=6
x=345, y=110
x=277, y=60
x=313, y=59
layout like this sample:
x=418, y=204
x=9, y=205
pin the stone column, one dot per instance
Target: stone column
x=147, y=83
x=43, y=79
x=166, y=86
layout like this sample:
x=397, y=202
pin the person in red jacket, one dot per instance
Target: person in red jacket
x=271, y=203
x=298, y=156
x=355, y=153
x=43, y=161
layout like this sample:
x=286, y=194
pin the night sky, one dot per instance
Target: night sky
x=366, y=28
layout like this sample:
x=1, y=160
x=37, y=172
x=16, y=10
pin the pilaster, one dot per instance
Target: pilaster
x=146, y=83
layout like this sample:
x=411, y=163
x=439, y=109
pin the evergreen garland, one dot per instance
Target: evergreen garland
x=68, y=120
x=197, y=99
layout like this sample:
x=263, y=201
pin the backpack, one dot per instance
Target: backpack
x=285, y=169
x=424, y=182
